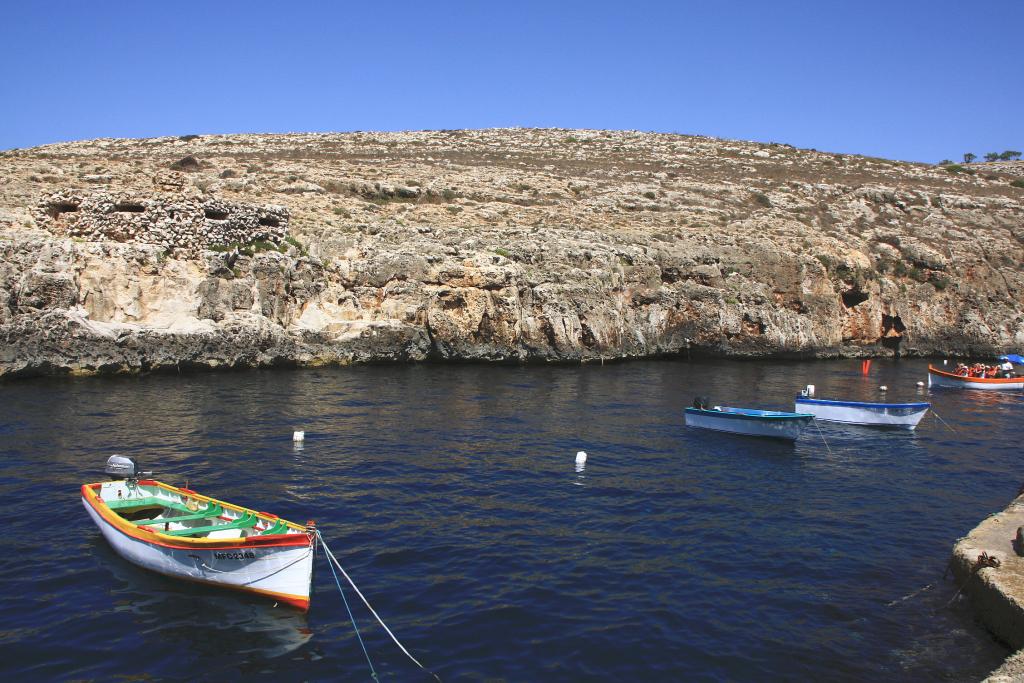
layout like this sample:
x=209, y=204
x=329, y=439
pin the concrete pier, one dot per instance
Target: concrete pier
x=996, y=592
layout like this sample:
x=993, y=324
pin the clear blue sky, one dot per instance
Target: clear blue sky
x=905, y=79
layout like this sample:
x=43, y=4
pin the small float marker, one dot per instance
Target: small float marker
x=920, y=384
x=883, y=388
x=298, y=436
x=581, y=457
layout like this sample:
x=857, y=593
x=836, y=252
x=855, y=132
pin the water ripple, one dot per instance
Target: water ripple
x=452, y=497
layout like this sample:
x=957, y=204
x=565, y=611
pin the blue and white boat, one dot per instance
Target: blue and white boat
x=895, y=415
x=749, y=421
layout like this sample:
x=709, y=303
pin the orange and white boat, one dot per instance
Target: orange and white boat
x=941, y=378
x=183, y=534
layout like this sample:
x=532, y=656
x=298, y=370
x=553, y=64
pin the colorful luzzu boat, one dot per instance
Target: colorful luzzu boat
x=180, y=533
x=941, y=378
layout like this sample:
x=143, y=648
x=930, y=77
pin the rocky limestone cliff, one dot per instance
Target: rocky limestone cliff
x=503, y=245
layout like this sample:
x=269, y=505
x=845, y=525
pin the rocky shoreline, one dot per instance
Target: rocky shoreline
x=117, y=256
x=988, y=566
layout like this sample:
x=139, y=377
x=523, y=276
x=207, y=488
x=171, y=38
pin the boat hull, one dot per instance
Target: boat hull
x=279, y=567
x=892, y=415
x=942, y=379
x=786, y=426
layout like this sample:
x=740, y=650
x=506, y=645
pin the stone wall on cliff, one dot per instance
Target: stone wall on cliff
x=176, y=217
x=504, y=245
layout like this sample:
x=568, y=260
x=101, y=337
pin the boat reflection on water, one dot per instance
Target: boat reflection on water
x=204, y=619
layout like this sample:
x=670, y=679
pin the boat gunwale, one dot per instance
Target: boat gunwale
x=154, y=537
x=774, y=415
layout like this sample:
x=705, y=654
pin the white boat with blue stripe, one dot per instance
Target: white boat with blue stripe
x=775, y=424
x=894, y=415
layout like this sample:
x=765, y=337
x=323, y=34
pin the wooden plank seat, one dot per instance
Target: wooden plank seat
x=212, y=510
x=247, y=521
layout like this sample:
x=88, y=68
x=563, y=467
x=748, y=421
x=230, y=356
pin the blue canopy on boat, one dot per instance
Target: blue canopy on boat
x=1013, y=358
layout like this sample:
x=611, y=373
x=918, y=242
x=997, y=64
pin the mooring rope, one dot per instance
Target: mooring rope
x=373, y=673
x=942, y=421
x=909, y=596
x=822, y=435
x=984, y=560
x=332, y=562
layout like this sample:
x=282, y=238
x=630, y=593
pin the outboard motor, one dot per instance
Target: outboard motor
x=122, y=467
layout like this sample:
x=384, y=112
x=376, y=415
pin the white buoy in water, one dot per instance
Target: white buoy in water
x=945, y=361
x=581, y=457
x=920, y=384
x=298, y=436
x=883, y=388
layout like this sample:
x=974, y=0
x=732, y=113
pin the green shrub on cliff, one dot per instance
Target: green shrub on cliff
x=297, y=244
x=248, y=249
x=957, y=168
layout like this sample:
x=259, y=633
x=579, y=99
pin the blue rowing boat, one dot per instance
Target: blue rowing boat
x=895, y=415
x=775, y=424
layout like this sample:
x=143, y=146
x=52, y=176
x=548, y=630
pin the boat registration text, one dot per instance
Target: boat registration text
x=246, y=555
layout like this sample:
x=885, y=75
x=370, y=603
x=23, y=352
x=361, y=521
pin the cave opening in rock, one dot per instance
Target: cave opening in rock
x=215, y=214
x=55, y=209
x=893, y=323
x=854, y=296
x=129, y=207
x=270, y=222
x=892, y=342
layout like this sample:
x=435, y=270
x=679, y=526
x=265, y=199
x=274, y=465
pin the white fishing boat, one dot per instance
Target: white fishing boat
x=950, y=380
x=183, y=534
x=895, y=415
x=749, y=421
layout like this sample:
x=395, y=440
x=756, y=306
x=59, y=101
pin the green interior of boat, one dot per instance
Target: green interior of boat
x=152, y=510
x=247, y=521
x=211, y=511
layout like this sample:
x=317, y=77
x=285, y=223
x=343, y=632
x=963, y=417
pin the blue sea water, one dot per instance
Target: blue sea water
x=451, y=496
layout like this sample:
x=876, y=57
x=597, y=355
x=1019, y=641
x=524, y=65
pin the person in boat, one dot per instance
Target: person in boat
x=1007, y=368
x=977, y=370
x=961, y=369
x=991, y=371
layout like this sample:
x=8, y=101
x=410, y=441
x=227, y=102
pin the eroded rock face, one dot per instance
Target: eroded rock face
x=503, y=245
